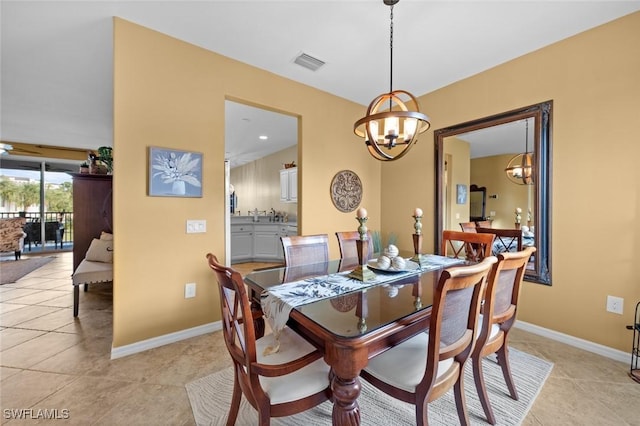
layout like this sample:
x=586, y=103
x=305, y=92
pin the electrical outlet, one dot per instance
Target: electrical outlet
x=189, y=290
x=615, y=304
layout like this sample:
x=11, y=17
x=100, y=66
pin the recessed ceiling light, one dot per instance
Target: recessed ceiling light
x=263, y=137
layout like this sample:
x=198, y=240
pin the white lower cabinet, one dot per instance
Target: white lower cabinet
x=241, y=243
x=258, y=242
x=265, y=243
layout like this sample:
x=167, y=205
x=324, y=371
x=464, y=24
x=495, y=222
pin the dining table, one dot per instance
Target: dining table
x=351, y=328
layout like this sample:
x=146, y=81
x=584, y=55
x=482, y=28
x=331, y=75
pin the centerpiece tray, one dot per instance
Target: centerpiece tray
x=410, y=266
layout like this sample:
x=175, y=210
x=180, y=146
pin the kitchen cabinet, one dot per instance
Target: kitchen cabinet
x=241, y=243
x=265, y=243
x=289, y=185
x=285, y=231
x=259, y=241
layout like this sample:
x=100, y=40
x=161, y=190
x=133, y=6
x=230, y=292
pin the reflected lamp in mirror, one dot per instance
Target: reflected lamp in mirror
x=520, y=168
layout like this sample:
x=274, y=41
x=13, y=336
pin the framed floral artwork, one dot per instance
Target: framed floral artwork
x=174, y=173
x=461, y=194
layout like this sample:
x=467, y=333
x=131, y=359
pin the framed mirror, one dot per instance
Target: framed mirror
x=454, y=160
x=477, y=203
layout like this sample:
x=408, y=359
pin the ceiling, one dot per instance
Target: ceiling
x=56, y=67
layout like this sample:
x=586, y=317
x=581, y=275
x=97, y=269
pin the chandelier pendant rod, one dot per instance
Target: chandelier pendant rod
x=390, y=53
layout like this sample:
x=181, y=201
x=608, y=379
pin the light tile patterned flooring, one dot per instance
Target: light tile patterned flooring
x=49, y=360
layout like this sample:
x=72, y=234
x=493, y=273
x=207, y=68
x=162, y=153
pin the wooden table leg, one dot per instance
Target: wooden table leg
x=346, y=411
x=258, y=317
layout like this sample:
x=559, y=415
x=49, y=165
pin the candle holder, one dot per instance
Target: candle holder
x=362, y=271
x=417, y=242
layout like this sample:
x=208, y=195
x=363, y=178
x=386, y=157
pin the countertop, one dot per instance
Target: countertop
x=262, y=220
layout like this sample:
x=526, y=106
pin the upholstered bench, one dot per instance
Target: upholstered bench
x=89, y=272
x=96, y=267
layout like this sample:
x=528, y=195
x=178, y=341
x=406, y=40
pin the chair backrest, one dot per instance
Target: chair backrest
x=11, y=233
x=503, y=290
x=506, y=240
x=305, y=249
x=454, y=316
x=483, y=224
x=466, y=245
x=347, y=243
x=237, y=321
x=468, y=226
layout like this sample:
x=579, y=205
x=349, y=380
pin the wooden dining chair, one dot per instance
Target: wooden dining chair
x=466, y=245
x=483, y=224
x=424, y=367
x=290, y=381
x=506, y=240
x=468, y=226
x=347, y=243
x=305, y=249
x=497, y=317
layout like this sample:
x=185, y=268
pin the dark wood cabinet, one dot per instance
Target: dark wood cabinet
x=92, y=214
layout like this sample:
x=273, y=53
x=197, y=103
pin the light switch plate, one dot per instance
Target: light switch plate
x=189, y=290
x=196, y=226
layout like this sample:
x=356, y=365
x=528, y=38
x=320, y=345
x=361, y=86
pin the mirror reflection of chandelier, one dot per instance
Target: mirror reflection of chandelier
x=520, y=168
x=393, y=119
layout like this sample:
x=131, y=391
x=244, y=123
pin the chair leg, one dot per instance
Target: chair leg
x=503, y=360
x=235, y=401
x=461, y=405
x=478, y=378
x=76, y=299
x=422, y=413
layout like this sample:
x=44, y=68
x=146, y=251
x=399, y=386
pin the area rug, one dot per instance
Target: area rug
x=210, y=398
x=12, y=270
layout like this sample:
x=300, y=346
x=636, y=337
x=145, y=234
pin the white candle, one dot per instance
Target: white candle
x=362, y=213
x=418, y=212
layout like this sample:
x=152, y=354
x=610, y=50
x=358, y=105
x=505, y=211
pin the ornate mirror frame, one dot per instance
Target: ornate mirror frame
x=483, y=193
x=541, y=113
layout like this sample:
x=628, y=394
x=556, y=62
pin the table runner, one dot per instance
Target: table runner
x=278, y=301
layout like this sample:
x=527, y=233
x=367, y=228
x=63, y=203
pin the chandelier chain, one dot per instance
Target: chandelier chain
x=391, y=50
x=526, y=136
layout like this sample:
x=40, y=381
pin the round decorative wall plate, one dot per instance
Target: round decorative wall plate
x=346, y=191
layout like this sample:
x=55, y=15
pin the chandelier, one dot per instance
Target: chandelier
x=520, y=168
x=393, y=120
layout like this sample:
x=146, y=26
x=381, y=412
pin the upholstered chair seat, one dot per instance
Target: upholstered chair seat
x=300, y=384
x=412, y=356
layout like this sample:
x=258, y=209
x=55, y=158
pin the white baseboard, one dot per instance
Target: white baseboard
x=577, y=342
x=166, y=339
x=615, y=354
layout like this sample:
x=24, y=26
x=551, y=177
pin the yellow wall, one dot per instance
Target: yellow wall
x=457, y=154
x=171, y=94
x=593, y=81
x=489, y=172
x=257, y=183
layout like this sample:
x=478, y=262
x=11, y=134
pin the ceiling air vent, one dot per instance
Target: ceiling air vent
x=308, y=62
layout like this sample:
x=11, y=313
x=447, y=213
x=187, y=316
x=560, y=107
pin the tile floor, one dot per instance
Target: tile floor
x=49, y=360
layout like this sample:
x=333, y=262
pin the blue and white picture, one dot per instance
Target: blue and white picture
x=461, y=194
x=174, y=173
